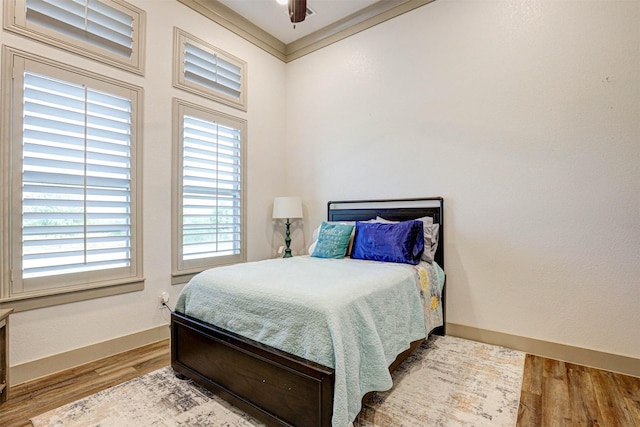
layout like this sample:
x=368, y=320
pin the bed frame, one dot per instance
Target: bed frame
x=278, y=388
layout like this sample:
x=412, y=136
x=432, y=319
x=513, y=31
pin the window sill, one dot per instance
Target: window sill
x=23, y=303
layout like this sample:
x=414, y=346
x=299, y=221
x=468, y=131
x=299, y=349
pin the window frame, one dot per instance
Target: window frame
x=182, y=271
x=15, y=20
x=82, y=286
x=180, y=37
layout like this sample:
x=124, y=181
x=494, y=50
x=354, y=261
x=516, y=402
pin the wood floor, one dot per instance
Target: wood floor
x=36, y=397
x=553, y=393
x=563, y=394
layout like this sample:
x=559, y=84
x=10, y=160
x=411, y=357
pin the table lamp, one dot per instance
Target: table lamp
x=287, y=207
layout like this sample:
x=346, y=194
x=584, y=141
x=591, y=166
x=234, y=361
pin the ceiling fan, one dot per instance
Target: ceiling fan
x=297, y=10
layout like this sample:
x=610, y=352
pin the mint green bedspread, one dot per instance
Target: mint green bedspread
x=350, y=315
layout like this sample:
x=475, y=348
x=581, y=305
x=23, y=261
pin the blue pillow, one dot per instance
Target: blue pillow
x=333, y=240
x=401, y=242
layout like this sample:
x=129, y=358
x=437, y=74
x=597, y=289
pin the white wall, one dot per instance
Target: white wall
x=39, y=333
x=525, y=116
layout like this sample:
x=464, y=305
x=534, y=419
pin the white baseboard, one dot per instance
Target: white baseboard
x=73, y=358
x=580, y=356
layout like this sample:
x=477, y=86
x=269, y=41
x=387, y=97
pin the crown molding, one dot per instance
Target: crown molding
x=239, y=25
x=368, y=17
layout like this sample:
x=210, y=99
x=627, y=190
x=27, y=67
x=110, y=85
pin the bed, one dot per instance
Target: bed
x=291, y=388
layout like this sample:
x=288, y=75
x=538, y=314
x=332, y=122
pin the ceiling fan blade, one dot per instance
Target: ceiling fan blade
x=297, y=10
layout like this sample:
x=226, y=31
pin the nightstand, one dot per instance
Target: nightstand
x=4, y=354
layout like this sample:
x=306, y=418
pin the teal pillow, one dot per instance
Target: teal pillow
x=333, y=240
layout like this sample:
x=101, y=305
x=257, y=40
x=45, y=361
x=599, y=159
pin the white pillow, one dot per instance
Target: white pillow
x=431, y=232
x=314, y=239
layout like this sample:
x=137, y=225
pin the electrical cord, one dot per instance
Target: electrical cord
x=164, y=305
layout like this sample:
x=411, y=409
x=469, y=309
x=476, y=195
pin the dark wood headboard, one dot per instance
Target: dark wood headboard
x=392, y=209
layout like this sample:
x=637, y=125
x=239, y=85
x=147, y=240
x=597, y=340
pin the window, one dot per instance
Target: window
x=207, y=71
x=71, y=180
x=110, y=31
x=209, y=195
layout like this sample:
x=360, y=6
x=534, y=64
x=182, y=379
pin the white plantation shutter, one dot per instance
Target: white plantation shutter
x=91, y=21
x=208, y=71
x=211, y=198
x=76, y=179
x=211, y=71
x=71, y=184
x=111, y=31
x=210, y=189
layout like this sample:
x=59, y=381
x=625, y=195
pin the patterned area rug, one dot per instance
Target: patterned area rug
x=447, y=381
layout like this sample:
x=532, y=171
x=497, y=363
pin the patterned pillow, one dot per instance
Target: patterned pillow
x=333, y=240
x=316, y=232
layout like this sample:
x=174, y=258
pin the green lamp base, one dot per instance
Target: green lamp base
x=287, y=241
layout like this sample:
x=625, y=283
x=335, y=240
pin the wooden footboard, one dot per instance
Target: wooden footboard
x=275, y=387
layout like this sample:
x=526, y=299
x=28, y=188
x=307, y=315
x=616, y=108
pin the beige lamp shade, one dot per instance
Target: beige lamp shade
x=287, y=207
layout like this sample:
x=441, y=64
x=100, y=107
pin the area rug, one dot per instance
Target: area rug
x=450, y=381
x=447, y=381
